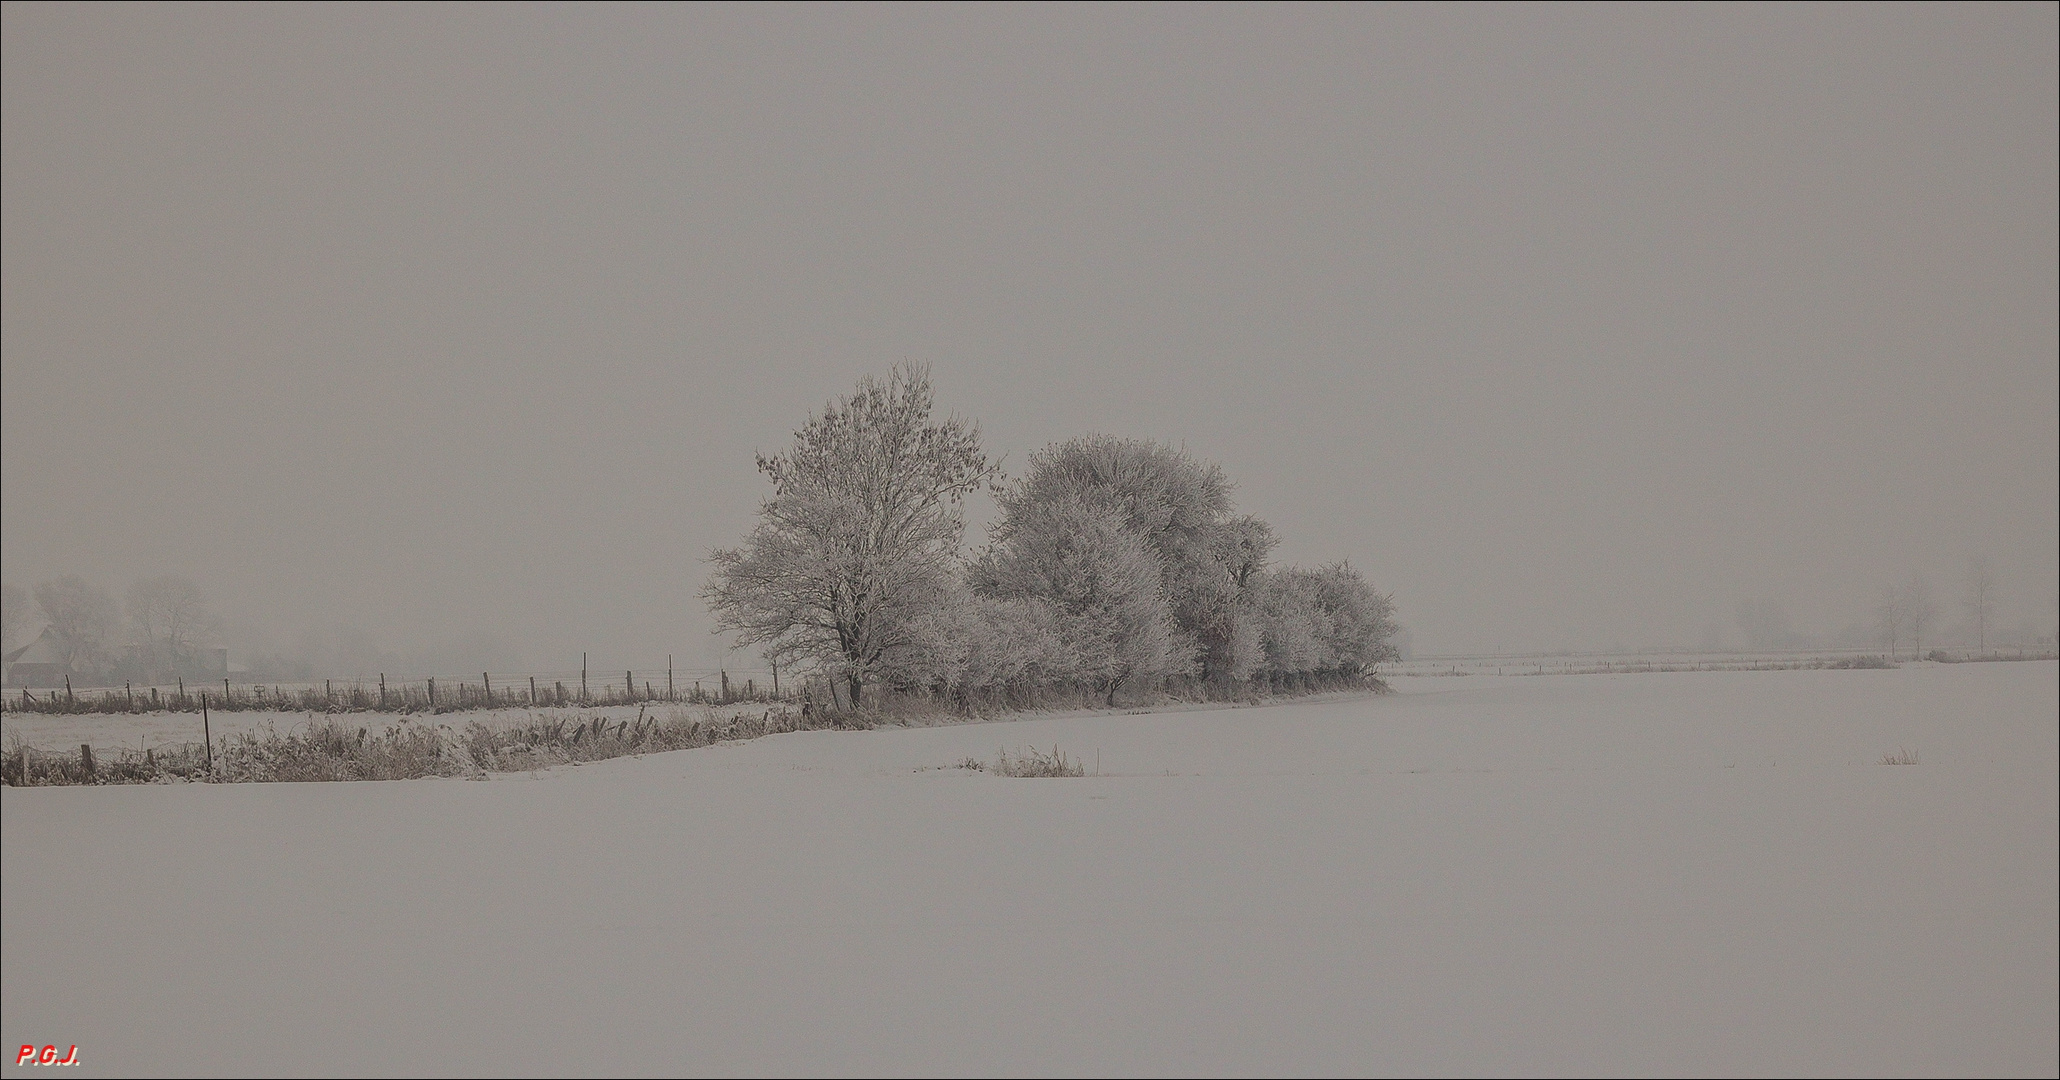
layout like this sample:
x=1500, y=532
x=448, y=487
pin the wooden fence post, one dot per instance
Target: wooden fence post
x=382, y=689
x=629, y=685
x=206, y=736
x=668, y=677
x=532, y=689
x=86, y=759
x=582, y=678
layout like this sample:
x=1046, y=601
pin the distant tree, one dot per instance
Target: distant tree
x=1097, y=580
x=14, y=615
x=1892, y=617
x=1980, y=597
x=1919, y=607
x=83, y=620
x=854, y=557
x=170, y=622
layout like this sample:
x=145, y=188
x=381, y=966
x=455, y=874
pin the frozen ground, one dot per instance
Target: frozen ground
x=1672, y=873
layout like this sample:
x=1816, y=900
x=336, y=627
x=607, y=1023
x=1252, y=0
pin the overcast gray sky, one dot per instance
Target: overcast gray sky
x=1571, y=326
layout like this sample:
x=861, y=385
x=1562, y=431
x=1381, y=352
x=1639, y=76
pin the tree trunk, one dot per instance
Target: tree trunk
x=857, y=683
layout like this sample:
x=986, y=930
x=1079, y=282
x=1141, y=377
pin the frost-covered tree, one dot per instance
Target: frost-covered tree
x=1232, y=635
x=1095, y=582
x=1181, y=509
x=1326, y=621
x=83, y=620
x=1363, y=623
x=854, y=558
x=1010, y=646
x=1295, y=631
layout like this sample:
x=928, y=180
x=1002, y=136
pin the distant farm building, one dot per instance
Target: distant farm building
x=39, y=663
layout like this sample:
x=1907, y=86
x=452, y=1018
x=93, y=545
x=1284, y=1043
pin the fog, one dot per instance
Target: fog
x=457, y=330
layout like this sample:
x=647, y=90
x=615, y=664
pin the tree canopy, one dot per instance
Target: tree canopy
x=1113, y=564
x=853, y=556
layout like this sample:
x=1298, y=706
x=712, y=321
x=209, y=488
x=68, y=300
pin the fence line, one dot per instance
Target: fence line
x=1656, y=661
x=421, y=693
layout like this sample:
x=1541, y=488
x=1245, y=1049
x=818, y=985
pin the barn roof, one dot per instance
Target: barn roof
x=43, y=650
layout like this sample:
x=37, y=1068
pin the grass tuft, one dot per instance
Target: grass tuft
x=1035, y=762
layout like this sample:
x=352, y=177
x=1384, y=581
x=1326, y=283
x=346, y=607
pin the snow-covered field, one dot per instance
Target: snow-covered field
x=1698, y=872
